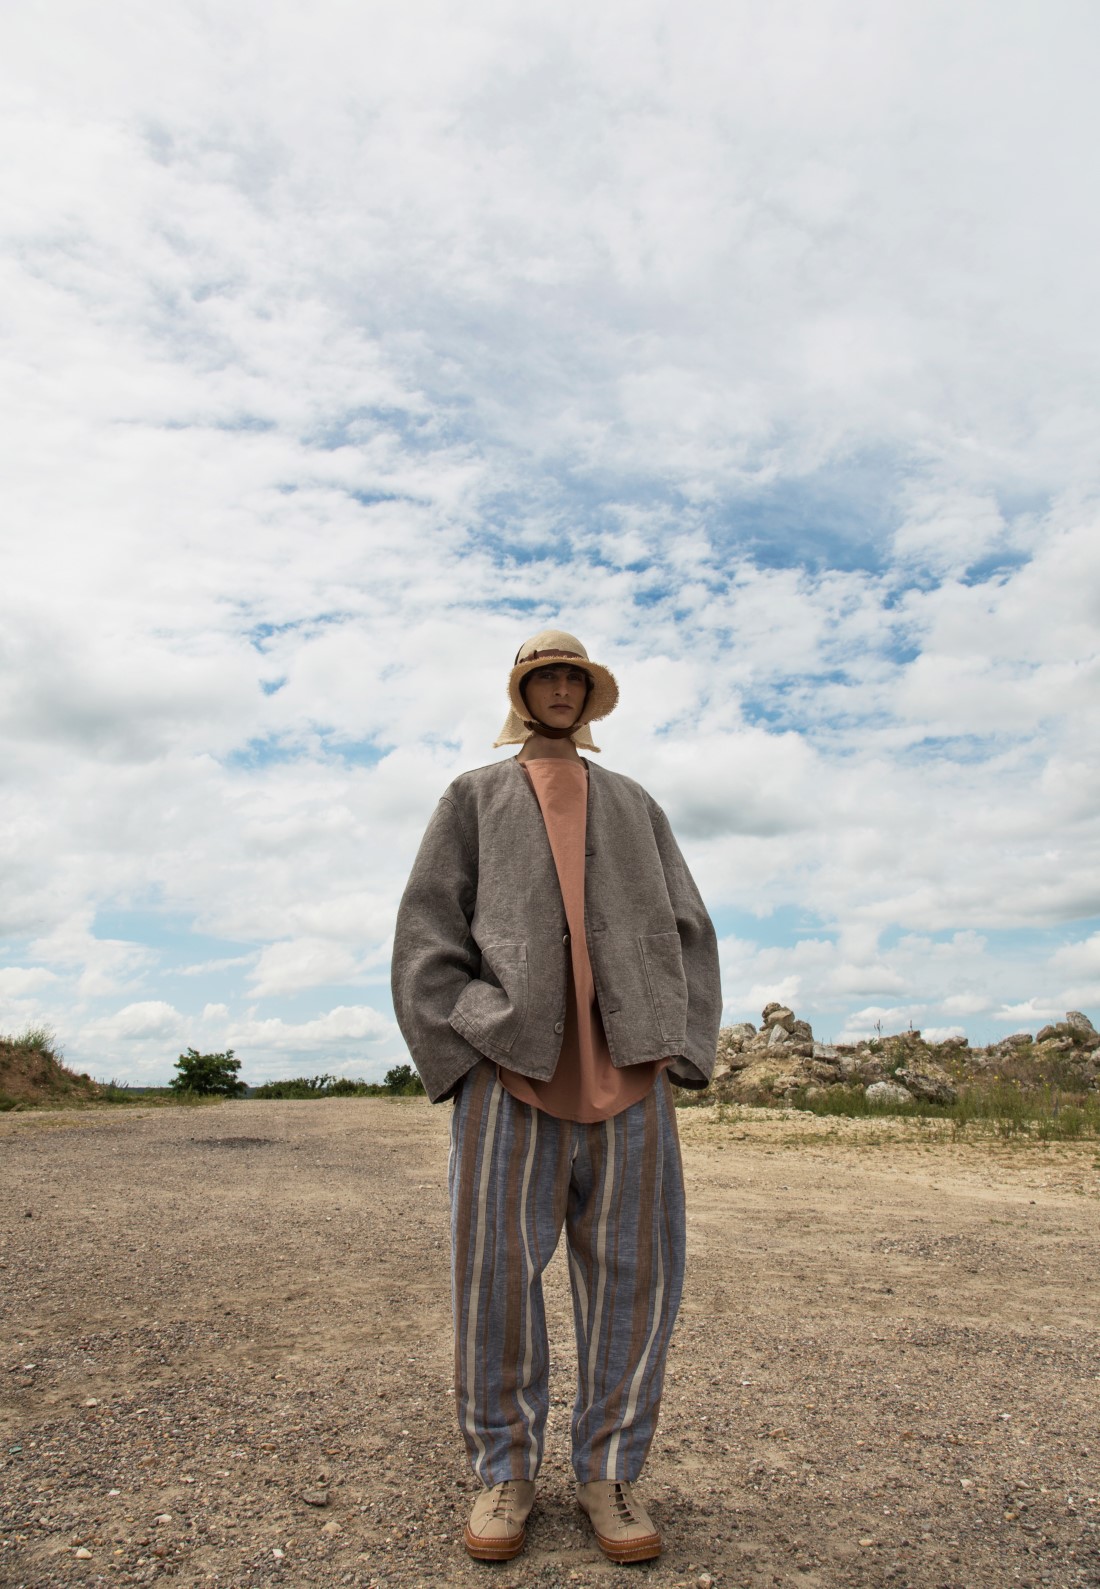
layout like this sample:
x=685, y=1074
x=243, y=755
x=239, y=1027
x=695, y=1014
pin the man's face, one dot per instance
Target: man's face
x=555, y=695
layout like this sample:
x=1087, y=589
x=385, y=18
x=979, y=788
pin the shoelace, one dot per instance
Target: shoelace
x=620, y=1505
x=502, y=1500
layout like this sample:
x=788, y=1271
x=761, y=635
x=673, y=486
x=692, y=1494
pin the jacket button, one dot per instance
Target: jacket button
x=559, y=1026
x=566, y=938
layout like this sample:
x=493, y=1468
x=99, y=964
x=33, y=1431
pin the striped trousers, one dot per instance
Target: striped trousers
x=516, y=1176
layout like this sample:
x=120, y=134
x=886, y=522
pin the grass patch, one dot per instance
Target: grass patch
x=1042, y=1114
x=125, y=1092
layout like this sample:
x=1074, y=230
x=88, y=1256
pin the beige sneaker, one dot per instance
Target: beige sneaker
x=624, y=1529
x=497, y=1528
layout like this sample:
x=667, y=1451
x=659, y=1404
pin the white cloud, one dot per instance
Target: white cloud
x=750, y=783
x=784, y=990
x=948, y=532
x=964, y=1004
x=344, y=1024
x=101, y=967
x=738, y=346
x=17, y=981
x=874, y=1020
x=304, y=963
x=204, y=968
x=864, y=979
x=151, y=1018
x=1080, y=959
x=1030, y=1013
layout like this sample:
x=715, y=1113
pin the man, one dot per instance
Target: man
x=553, y=967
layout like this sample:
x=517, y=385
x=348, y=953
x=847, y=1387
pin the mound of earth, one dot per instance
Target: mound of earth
x=33, y=1076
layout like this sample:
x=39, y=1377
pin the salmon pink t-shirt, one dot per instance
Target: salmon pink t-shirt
x=585, y=1085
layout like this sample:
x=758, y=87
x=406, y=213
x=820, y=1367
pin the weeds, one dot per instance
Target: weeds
x=39, y=1040
x=1044, y=1114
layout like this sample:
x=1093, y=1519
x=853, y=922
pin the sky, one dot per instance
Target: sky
x=345, y=347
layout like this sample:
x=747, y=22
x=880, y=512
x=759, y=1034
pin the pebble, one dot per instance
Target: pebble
x=704, y=1581
x=315, y=1497
x=163, y=1517
x=83, y=1554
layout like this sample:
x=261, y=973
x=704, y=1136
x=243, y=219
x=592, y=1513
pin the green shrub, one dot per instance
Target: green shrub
x=208, y=1074
x=400, y=1082
x=295, y=1087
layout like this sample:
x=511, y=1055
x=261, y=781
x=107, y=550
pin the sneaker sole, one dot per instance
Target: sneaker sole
x=643, y=1549
x=494, y=1549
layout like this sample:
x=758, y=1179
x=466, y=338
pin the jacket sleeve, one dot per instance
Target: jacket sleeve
x=434, y=953
x=699, y=947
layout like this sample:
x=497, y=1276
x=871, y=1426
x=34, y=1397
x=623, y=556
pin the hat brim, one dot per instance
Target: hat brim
x=603, y=697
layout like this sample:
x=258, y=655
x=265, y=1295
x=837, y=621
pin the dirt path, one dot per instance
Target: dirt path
x=886, y=1369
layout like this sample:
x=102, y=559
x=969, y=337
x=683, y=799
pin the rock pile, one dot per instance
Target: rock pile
x=782, y=1058
x=1066, y=1053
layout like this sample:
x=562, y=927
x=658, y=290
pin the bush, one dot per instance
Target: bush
x=402, y=1082
x=346, y=1088
x=296, y=1087
x=399, y=1082
x=208, y=1074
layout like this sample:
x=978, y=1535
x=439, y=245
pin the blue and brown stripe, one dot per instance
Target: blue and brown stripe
x=517, y=1176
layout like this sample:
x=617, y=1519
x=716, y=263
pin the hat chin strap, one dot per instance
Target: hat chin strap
x=547, y=731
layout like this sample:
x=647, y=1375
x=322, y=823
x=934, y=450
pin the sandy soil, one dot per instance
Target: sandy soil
x=226, y=1358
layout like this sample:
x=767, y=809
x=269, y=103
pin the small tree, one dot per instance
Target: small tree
x=403, y=1081
x=208, y=1073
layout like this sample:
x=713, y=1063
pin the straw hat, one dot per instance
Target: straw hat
x=543, y=650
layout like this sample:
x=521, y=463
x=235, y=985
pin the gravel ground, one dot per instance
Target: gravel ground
x=225, y=1358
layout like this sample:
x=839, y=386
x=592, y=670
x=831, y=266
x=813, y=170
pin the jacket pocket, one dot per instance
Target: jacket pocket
x=494, y=1006
x=664, y=969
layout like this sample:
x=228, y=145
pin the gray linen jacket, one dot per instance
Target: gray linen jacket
x=481, y=953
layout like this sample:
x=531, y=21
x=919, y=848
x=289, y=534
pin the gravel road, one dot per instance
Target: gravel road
x=225, y=1358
